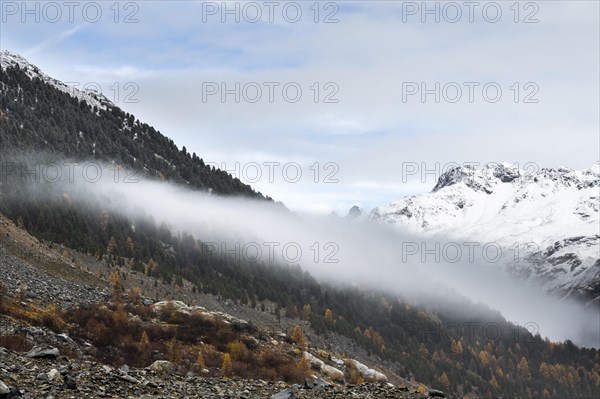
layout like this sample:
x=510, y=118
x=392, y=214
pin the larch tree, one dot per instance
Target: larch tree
x=226, y=366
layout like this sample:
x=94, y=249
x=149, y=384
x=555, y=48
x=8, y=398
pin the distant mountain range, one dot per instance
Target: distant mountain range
x=549, y=220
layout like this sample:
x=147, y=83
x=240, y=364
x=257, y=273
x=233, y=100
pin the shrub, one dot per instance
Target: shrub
x=212, y=357
x=52, y=319
x=355, y=378
x=15, y=343
x=292, y=373
x=238, y=350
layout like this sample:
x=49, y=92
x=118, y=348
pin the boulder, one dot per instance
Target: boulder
x=333, y=373
x=4, y=390
x=314, y=362
x=162, y=367
x=69, y=382
x=316, y=382
x=285, y=394
x=365, y=372
x=53, y=374
x=41, y=351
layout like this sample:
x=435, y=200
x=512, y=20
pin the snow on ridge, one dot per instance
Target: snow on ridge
x=490, y=175
x=92, y=97
x=465, y=198
x=551, y=208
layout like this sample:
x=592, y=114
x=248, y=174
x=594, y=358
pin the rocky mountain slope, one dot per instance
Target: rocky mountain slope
x=42, y=351
x=547, y=221
x=32, y=375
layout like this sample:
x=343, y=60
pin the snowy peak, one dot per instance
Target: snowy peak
x=355, y=212
x=91, y=96
x=560, y=200
x=554, y=212
x=486, y=178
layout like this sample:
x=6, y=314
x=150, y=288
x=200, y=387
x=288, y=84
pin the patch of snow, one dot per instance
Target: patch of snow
x=91, y=96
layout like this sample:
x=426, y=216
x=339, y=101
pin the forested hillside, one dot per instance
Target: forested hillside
x=38, y=117
x=424, y=341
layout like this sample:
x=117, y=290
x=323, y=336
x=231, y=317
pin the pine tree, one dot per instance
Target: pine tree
x=200, y=361
x=174, y=351
x=226, y=366
x=298, y=337
x=523, y=369
x=115, y=281
x=494, y=382
x=544, y=371
x=484, y=358
x=306, y=312
x=456, y=347
x=445, y=381
x=144, y=342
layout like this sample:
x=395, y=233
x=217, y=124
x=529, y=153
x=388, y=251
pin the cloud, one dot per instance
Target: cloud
x=53, y=40
x=368, y=54
x=336, y=250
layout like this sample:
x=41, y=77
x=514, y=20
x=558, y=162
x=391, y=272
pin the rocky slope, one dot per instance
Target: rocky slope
x=547, y=221
x=43, y=362
x=46, y=375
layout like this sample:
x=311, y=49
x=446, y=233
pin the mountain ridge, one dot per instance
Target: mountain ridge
x=552, y=215
x=84, y=125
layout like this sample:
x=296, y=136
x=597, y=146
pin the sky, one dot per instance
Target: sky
x=326, y=105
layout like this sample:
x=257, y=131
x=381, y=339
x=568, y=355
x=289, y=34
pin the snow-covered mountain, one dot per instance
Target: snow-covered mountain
x=549, y=220
x=92, y=97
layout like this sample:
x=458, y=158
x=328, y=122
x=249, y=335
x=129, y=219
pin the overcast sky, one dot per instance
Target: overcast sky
x=368, y=62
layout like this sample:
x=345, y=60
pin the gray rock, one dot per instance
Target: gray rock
x=128, y=378
x=285, y=394
x=162, y=367
x=40, y=351
x=53, y=374
x=315, y=382
x=69, y=382
x=437, y=394
x=4, y=390
x=64, y=337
